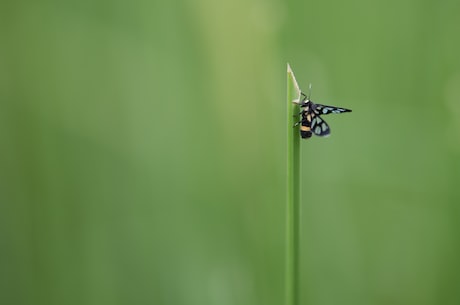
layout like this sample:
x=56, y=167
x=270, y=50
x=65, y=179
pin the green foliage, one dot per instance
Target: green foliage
x=143, y=160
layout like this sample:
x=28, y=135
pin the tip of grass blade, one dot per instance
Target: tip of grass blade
x=296, y=85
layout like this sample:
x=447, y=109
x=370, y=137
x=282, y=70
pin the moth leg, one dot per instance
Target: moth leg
x=304, y=98
x=296, y=115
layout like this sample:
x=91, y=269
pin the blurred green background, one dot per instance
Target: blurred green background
x=143, y=151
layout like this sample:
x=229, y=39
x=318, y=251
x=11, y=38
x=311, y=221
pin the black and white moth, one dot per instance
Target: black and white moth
x=311, y=121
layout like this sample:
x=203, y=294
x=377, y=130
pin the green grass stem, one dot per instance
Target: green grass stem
x=293, y=191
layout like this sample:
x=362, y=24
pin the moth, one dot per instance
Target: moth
x=311, y=121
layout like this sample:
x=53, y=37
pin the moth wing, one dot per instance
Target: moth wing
x=324, y=109
x=319, y=127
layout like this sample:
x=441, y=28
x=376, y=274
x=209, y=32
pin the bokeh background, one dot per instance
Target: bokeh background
x=143, y=151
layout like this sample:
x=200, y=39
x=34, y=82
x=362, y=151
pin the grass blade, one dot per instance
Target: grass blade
x=293, y=191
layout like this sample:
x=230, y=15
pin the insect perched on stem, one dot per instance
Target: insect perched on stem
x=311, y=121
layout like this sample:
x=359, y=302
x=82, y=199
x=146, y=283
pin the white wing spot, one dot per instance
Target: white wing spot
x=318, y=129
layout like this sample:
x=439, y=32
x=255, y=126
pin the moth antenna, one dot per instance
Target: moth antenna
x=309, y=91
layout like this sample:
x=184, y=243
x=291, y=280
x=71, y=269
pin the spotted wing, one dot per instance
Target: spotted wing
x=324, y=109
x=319, y=127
